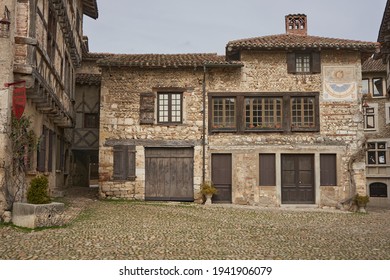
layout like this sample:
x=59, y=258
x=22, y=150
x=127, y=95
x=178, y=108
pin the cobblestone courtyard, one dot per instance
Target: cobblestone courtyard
x=140, y=230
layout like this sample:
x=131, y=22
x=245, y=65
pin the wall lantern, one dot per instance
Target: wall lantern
x=5, y=23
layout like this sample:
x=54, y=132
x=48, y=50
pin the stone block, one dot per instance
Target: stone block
x=38, y=215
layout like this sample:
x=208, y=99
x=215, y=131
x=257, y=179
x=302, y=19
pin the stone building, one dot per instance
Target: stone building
x=41, y=46
x=277, y=121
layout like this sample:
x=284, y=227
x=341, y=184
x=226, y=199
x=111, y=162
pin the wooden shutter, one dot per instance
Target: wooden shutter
x=124, y=163
x=41, y=158
x=267, y=170
x=328, y=170
x=291, y=66
x=52, y=136
x=315, y=62
x=131, y=163
x=146, y=108
x=119, y=162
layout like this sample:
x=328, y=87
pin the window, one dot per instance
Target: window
x=223, y=113
x=376, y=153
x=124, y=163
x=370, y=117
x=378, y=190
x=41, y=154
x=303, y=113
x=377, y=87
x=328, y=176
x=267, y=170
x=307, y=62
x=170, y=107
x=91, y=120
x=263, y=113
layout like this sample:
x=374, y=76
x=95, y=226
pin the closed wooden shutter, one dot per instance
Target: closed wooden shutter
x=52, y=136
x=124, y=163
x=328, y=170
x=315, y=62
x=291, y=66
x=41, y=158
x=267, y=170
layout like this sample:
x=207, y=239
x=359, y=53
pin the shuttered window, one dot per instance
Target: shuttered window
x=328, y=166
x=124, y=163
x=308, y=62
x=147, y=108
x=41, y=158
x=267, y=170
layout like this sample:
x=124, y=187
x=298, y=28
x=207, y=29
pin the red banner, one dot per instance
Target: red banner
x=19, y=101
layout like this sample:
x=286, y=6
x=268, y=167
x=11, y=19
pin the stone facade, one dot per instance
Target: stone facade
x=259, y=72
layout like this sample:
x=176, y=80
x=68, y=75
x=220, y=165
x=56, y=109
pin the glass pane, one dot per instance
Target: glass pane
x=371, y=158
x=378, y=87
x=382, y=157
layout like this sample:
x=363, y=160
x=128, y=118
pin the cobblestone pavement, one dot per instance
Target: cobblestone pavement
x=140, y=230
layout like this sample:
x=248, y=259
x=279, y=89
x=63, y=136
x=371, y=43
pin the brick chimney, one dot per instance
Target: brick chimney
x=296, y=24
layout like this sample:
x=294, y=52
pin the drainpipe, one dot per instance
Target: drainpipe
x=204, y=126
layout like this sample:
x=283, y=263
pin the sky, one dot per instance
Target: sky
x=206, y=26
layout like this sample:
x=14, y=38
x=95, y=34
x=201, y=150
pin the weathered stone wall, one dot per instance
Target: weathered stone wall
x=340, y=125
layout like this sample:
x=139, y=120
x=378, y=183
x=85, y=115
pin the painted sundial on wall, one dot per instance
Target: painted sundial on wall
x=340, y=83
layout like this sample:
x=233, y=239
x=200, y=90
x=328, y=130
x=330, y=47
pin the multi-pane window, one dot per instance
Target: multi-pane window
x=223, y=113
x=263, y=113
x=170, y=107
x=377, y=87
x=376, y=153
x=302, y=62
x=303, y=112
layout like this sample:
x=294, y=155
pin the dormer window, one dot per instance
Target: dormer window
x=303, y=62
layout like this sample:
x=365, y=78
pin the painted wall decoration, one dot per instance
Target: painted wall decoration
x=340, y=83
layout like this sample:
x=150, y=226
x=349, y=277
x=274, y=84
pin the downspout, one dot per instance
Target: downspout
x=204, y=126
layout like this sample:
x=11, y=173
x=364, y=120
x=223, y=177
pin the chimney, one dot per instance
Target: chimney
x=296, y=24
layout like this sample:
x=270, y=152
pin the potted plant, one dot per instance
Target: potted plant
x=208, y=190
x=361, y=201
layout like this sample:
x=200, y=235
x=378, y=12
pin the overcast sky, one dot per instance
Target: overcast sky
x=205, y=26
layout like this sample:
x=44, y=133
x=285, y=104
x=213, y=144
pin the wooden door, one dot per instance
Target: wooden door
x=169, y=174
x=298, y=179
x=221, y=173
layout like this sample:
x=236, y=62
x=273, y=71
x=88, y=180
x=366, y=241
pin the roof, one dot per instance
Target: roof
x=90, y=8
x=373, y=65
x=167, y=60
x=384, y=29
x=283, y=41
x=88, y=79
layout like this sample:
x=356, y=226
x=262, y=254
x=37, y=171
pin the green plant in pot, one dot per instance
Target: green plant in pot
x=38, y=191
x=208, y=190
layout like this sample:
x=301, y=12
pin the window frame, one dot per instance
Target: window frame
x=314, y=62
x=170, y=107
x=374, y=115
x=374, y=88
x=374, y=148
x=240, y=113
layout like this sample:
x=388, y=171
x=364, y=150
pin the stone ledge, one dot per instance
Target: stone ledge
x=38, y=215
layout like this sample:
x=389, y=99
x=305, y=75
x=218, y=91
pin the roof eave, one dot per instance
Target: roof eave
x=90, y=8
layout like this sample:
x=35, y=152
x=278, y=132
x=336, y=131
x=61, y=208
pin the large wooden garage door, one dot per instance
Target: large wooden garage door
x=169, y=174
x=298, y=179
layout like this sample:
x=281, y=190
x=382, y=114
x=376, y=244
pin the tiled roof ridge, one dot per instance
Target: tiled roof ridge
x=276, y=40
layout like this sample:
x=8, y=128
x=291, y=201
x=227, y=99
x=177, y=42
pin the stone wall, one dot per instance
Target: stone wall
x=340, y=125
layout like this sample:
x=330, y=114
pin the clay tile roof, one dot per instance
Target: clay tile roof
x=166, y=60
x=300, y=41
x=88, y=79
x=372, y=65
x=90, y=8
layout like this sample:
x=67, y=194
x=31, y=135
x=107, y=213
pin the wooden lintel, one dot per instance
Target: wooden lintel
x=23, y=69
x=25, y=41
